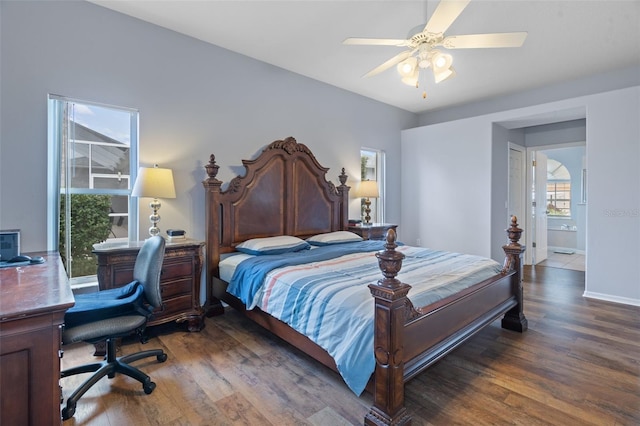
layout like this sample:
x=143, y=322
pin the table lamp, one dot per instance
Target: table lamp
x=154, y=182
x=368, y=189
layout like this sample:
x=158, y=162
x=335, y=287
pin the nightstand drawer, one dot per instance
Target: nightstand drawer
x=176, y=270
x=175, y=305
x=176, y=288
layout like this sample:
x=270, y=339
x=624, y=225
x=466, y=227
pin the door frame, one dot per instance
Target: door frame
x=528, y=254
x=525, y=219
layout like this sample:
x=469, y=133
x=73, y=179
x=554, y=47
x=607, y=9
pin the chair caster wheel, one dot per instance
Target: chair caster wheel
x=162, y=358
x=149, y=387
x=68, y=412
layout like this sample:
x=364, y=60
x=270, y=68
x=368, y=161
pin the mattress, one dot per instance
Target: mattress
x=328, y=299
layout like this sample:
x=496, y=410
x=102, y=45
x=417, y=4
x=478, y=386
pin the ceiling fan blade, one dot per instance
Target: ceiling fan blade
x=476, y=41
x=444, y=15
x=391, y=62
x=375, y=41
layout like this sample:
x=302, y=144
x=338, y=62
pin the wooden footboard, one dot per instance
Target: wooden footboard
x=408, y=339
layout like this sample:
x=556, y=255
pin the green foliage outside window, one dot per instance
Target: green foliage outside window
x=90, y=224
x=363, y=166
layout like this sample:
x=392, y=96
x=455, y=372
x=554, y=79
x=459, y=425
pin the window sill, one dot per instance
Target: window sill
x=86, y=287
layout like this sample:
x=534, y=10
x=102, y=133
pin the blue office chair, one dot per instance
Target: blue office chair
x=111, y=314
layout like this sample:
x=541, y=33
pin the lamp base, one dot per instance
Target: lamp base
x=367, y=210
x=154, y=218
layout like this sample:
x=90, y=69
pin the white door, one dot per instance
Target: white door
x=517, y=177
x=540, y=207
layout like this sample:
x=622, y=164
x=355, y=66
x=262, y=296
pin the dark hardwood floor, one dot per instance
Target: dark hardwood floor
x=578, y=364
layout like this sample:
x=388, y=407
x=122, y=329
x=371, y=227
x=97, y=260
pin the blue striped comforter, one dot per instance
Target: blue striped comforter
x=323, y=294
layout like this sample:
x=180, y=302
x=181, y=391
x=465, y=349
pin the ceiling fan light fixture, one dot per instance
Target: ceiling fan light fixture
x=411, y=79
x=440, y=61
x=442, y=75
x=424, y=63
x=407, y=67
x=422, y=41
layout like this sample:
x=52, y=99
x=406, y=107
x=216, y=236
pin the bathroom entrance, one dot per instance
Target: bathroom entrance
x=558, y=208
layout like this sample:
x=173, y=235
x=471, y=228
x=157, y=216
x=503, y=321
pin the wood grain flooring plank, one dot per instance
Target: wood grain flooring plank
x=578, y=364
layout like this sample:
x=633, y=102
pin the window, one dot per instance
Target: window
x=558, y=189
x=372, y=168
x=92, y=164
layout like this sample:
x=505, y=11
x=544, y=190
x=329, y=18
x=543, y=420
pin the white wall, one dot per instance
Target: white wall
x=194, y=99
x=613, y=216
x=446, y=180
x=613, y=160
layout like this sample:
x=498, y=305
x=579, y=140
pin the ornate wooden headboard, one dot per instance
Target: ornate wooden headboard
x=283, y=192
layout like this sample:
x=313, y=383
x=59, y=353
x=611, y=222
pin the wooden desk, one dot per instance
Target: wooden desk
x=179, y=280
x=373, y=231
x=33, y=300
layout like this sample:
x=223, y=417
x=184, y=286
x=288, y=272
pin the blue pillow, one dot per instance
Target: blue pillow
x=336, y=237
x=272, y=245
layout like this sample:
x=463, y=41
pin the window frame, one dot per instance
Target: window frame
x=377, y=204
x=56, y=105
x=555, y=200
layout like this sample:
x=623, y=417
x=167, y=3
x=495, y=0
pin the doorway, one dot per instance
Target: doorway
x=547, y=187
x=560, y=212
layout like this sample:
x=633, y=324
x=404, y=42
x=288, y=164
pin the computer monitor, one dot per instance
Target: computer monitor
x=9, y=244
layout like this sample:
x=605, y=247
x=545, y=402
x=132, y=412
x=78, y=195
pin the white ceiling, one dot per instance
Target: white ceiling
x=567, y=39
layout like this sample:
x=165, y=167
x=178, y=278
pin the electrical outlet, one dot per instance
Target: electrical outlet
x=418, y=242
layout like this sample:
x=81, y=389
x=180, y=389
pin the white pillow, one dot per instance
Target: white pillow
x=336, y=237
x=272, y=245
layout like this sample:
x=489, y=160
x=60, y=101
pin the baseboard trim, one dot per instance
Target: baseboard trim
x=610, y=298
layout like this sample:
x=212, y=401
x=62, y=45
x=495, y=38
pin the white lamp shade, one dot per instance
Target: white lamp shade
x=440, y=61
x=407, y=67
x=412, y=80
x=154, y=182
x=368, y=189
x=444, y=74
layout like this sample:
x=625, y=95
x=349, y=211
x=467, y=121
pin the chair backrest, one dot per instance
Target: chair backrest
x=147, y=268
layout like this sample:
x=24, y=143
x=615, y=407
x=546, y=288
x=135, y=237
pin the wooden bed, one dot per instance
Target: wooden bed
x=285, y=192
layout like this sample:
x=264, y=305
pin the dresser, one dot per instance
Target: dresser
x=33, y=300
x=373, y=231
x=179, y=279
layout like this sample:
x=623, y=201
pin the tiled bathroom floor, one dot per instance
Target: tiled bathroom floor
x=565, y=261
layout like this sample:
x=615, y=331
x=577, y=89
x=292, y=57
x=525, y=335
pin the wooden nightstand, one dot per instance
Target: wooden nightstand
x=179, y=280
x=373, y=231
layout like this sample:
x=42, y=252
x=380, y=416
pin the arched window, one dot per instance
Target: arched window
x=558, y=189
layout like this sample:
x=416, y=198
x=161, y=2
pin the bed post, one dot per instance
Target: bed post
x=389, y=320
x=343, y=191
x=212, y=306
x=514, y=319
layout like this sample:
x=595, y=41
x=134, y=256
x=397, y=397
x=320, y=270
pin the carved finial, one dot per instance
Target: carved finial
x=212, y=167
x=343, y=177
x=391, y=240
x=514, y=232
x=390, y=261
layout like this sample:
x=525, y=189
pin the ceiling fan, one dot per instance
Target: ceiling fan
x=422, y=45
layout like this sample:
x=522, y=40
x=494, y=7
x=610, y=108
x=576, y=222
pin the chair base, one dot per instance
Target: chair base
x=109, y=367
